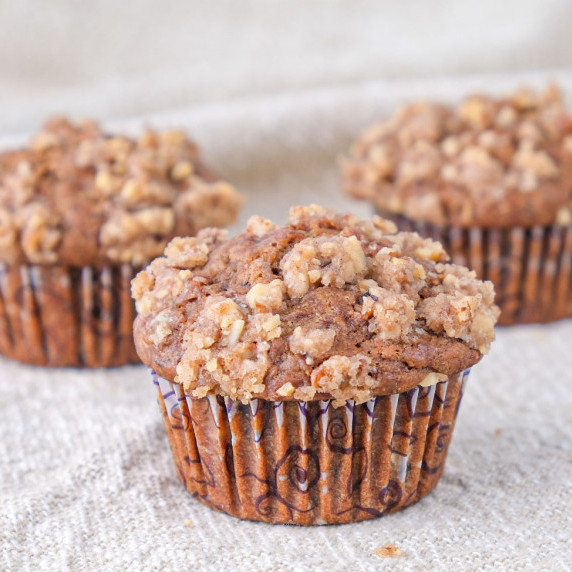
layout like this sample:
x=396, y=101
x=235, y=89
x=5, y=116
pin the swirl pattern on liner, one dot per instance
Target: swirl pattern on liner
x=311, y=463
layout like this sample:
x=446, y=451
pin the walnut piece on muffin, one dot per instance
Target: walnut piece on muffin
x=488, y=161
x=325, y=307
x=78, y=196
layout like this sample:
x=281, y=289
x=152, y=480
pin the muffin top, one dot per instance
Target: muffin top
x=488, y=162
x=326, y=307
x=78, y=196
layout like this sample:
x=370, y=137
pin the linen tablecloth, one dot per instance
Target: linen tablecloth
x=86, y=477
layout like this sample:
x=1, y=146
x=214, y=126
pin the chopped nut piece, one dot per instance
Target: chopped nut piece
x=259, y=226
x=315, y=343
x=265, y=297
x=105, y=182
x=384, y=225
x=528, y=182
x=235, y=331
x=40, y=235
x=212, y=365
x=187, y=252
x=381, y=159
x=344, y=377
x=506, y=117
x=432, y=379
x=286, y=390
x=539, y=163
x=476, y=156
x=301, y=214
x=162, y=328
x=267, y=325
x=451, y=146
x=182, y=170
x=314, y=275
x=156, y=221
x=391, y=316
x=305, y=393
x=564, y=216
x=475, y=111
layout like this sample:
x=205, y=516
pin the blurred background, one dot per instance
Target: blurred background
x=275, y=90
x=115, y=59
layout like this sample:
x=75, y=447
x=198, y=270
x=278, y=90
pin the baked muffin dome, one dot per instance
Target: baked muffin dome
x=489, y=162
x=80, y=212
x=78, y=196
x=325, y=307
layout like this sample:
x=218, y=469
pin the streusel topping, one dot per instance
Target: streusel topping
x=79, y=196
x=491, y=162
x=327, y=306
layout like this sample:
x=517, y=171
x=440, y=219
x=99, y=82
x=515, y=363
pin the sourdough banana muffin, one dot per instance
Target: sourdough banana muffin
x=492, y=180
x=310, y=373
x=81, y=211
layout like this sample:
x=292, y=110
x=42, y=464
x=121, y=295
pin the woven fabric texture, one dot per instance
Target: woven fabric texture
x=86, y=477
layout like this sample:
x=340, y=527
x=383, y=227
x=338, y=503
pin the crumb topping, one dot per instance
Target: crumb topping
x=492, y=162
x=325, y=260
x=80, y=196
x=327, y=306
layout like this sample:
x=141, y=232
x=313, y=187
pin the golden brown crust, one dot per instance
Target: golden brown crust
x=488, y=162
x=328, y=306
x=80, y=197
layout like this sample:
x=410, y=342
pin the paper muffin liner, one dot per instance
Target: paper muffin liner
x=67, y=316
x=531, y=268
x=310, y=463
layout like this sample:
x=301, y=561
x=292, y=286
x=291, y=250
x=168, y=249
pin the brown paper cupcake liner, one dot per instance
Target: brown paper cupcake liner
x=67, y=316
x=531, y=268
x=307, y=462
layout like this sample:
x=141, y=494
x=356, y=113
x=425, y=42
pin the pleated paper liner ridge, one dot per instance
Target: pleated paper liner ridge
x=309, y=463
x=531, y=268
x=67, y=316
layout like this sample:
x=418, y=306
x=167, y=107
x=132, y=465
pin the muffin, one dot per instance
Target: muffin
x=310, y=373
x=491, y=180
x=81, y=212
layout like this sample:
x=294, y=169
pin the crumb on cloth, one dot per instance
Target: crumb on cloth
x=388, y=551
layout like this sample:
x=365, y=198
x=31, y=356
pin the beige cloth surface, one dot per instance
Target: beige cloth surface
x=86, y=477
x=115, y=59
